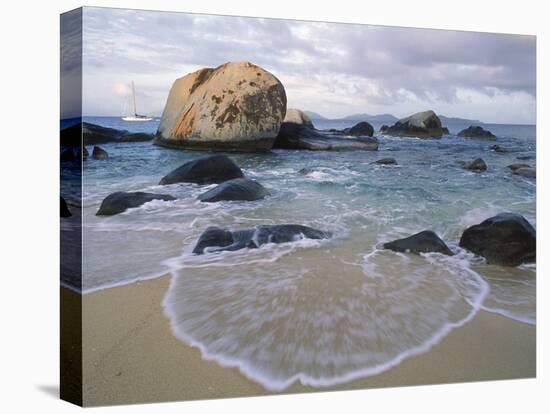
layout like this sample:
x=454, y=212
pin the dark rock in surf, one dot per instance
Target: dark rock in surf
x=68, y=154
x=386, y=161
x=119, y=202
x=506, y=239
x=99, y=153
x=217, y=239
x=527, y=172
x=65, y=212
x=476, y=165
x=209, y=170
x=305, y=171
x=237, y=189
x=296, y=136
x=136, y=137
x=384, y=128
x=499, y=148
x=526, y=157
x=515, y=167
x=476, y=132
x=424, y=242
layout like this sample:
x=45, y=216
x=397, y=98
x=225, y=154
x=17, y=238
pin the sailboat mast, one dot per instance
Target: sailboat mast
x=134, y=94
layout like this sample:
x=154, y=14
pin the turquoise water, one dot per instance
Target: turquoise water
x=321, y=312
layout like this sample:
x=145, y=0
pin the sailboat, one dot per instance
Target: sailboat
x=136, y=116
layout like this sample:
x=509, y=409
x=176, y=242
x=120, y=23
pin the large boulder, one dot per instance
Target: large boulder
x=506, y=239
x=360, y=129
x=217, y=239
x=420, y=125
x=237, y=106
x=424, y=242
x=237, y=189
x=476, y=132
x=296, y=136
x=99, y=153
x=209, y=170
x=119, y=202
x=296, y=116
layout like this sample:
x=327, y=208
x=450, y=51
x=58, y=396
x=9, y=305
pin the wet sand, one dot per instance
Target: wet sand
x=131, y=356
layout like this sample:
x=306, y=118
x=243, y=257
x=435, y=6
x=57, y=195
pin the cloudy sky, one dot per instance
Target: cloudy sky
x=332, y=69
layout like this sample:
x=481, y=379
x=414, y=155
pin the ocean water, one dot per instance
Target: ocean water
x=321, y=312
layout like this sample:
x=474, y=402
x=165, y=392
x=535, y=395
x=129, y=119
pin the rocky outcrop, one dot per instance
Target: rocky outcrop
x=527, y=172
x=424, y=242
x=296, y=136
x=119, y=202
x=237, y=106
x=476, y=165
x=209, y=170
x=420, y=125
x=65, y=212
x=99, y=153
x=217, y=239
x=237, y=189
x=92, y=134
x=296, y=116
x=386, y=161
x=360, y=129
x=506, y=239
x=476, y=132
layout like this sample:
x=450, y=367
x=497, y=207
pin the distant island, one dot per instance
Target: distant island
x=384, y=118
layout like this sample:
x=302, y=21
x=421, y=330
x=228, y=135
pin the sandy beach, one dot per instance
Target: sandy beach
x=131, y=356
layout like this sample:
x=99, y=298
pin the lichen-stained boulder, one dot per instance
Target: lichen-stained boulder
x=237, y=106
x=297, y=116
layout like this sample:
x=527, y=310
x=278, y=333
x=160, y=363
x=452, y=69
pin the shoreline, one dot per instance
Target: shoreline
x=130, y=354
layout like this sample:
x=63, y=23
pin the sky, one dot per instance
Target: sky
x=331, y=68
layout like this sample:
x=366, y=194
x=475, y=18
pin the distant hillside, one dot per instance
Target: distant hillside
x=449, y=120
x=388, y=118
x=314, y=115
x=383, y=118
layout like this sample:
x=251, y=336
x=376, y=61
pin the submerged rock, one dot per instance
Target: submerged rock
x=296, y=136
x=424, y=242
x=515, y=167
x=237, y=189
x=237, y=106
x=296, y=116
x=99, y=153
x=305, y=171
x=119, y=202
x=420, y=125
x=527, y=172
x=209, y=170
x=506, y=239
x=65, y=212
x=499, y=148
x=477, y=132
x=386, y=161
x=476, y=165
x=217, y=239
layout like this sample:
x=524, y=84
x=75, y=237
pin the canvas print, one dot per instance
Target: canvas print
x=255, y=206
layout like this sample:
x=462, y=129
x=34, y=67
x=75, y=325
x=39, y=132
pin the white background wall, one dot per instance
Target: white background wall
x=29, y=111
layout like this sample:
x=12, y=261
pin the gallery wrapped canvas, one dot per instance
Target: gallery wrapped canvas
x=254, y=206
